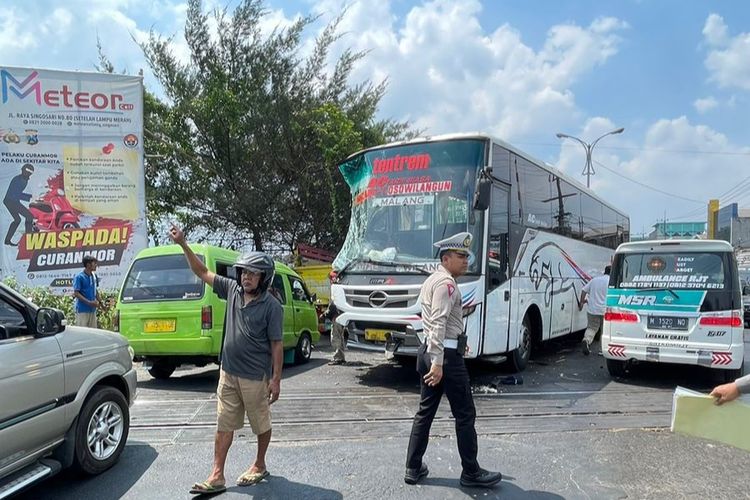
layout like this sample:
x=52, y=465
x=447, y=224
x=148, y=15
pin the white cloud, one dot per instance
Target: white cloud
x=13, y=35
x=675, y=156
x=715, y=30
x=705, y=105
x=729, y=58
x=447, y=73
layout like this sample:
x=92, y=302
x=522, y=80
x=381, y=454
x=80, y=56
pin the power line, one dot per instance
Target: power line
x=646, y=185
x=745, y=183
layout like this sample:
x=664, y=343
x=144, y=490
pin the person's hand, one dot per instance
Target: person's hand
x=434, y=376
x=176, y=234
x=274, y=389
x=94, y=303
x=725, y=393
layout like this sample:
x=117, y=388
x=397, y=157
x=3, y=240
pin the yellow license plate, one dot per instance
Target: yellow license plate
x=379, y=335
x=159, y=325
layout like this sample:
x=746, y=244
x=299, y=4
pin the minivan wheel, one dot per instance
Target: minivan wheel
x=303, y=351
x=732, y=375
x=161, y=370
x=617, y=368
x=102, y=430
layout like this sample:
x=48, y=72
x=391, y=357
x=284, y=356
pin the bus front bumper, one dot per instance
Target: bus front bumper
x=401, y=340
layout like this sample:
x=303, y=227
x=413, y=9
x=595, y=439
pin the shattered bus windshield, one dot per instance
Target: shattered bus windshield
x=405, y=198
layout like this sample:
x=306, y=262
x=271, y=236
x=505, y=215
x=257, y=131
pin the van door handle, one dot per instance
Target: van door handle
x=506, y=295
x=562, y=307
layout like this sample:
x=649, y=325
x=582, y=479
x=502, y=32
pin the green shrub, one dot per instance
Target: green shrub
x=43, y=297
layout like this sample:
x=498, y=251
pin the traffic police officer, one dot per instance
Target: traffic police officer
x=441, y=365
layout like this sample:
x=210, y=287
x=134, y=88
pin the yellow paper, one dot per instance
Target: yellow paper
x=102, y=182
x=697, y=415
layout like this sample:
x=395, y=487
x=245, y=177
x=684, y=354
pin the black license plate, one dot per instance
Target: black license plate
x=667, y=323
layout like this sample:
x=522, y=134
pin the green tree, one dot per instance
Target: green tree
x=247, y=139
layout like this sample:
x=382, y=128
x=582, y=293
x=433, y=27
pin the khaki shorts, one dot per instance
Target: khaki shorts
x=239, y=397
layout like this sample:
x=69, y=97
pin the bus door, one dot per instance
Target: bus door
x=498, y=262
x=561, y=308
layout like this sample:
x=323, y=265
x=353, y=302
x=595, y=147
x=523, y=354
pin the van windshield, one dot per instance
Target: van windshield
x=678, y=271
x=162, y=277
x=709, y=272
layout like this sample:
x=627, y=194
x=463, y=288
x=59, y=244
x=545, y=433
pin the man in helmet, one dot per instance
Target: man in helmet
x=12, y=201
x=251, y=360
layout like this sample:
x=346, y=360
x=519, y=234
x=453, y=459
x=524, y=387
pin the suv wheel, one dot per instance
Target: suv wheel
x=102, y=430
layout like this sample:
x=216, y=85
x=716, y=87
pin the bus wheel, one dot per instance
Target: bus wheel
x=161, y=370
x=303, y=351
x=519, y=357
x=617, y=368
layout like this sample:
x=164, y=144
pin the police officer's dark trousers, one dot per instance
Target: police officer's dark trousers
x=455, y=384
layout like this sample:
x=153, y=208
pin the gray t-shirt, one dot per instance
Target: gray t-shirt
x=249, y=330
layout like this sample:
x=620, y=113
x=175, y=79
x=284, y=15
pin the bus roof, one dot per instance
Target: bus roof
x=675, y=245
x=484, y=136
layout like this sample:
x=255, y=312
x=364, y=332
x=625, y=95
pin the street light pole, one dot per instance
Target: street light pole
x=588, y=170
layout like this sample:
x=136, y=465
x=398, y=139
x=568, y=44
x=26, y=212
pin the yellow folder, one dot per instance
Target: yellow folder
x=695, y=414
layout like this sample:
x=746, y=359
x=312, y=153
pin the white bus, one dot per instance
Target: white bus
x=538, y=237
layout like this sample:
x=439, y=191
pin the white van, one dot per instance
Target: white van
x=674, y=301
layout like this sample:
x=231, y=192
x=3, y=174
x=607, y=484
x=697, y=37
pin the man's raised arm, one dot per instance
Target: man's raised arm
x=196, y=265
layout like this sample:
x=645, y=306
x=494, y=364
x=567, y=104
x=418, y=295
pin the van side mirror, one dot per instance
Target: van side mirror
x=49, y=321
x=482, y=190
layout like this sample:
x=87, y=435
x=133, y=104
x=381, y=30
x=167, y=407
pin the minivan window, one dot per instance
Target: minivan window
x=277, y=289
x=298, y=290
x=162, y=277
x=694, y=270
x=708, y=271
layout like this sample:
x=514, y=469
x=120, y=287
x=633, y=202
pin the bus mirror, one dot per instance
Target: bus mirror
x=482, y=192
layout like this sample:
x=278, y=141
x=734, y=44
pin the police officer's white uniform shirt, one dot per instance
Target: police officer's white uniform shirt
x=597, y=294
x=441, y=312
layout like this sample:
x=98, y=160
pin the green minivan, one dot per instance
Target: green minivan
x=170, y=317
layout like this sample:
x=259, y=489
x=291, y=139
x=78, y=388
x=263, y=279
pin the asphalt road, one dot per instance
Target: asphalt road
x=561, y=429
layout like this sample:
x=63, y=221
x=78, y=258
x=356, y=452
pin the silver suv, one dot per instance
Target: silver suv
x=65, y=394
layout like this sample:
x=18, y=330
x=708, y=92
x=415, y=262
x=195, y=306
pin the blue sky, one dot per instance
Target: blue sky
x=675, y=74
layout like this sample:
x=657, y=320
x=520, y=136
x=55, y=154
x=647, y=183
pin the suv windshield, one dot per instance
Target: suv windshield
x=162, y=277
x=406, y=198
x=709, y=271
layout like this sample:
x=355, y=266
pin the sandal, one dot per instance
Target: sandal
x=251, y=478
x=206, y=488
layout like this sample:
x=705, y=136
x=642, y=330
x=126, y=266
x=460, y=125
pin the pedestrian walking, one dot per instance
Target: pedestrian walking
x=594, y=296
x=441, y=366
x=251, y=359
x=731, y=391
x=86, y=292
x=338, y=342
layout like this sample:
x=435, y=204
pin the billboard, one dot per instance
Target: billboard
x=71, y=175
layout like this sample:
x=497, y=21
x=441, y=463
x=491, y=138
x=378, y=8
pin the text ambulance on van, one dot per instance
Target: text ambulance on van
x=674, y=301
